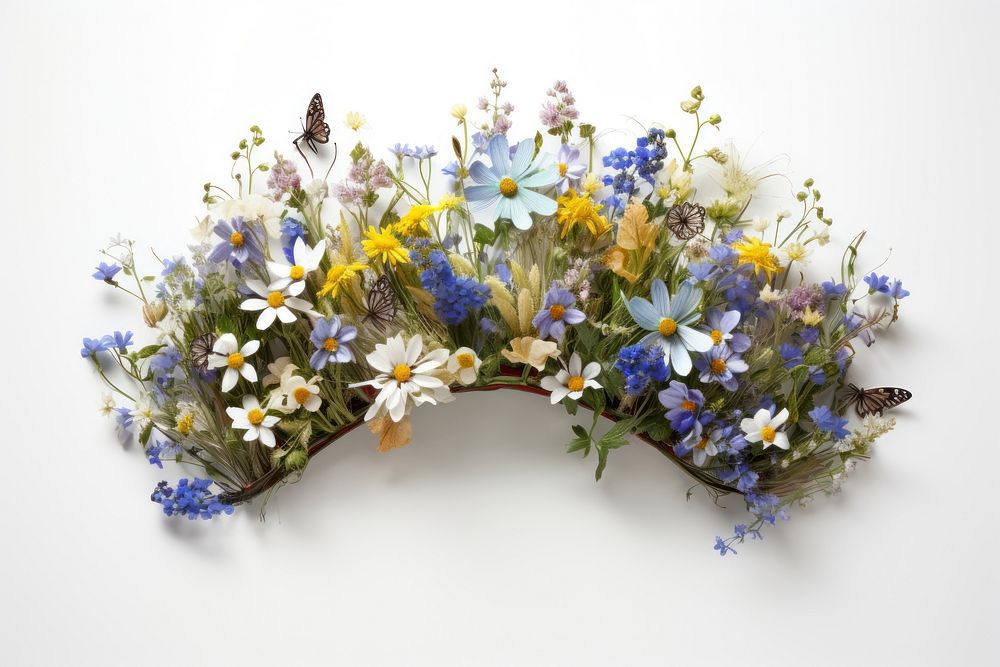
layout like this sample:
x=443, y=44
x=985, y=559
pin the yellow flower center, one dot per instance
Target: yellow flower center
x=701, y=443
x=689, y=406
x=718, y=366
x=301, y=395
x=330, y=344
x=557, y=311
x=716, y=336
x=236, y=239
x=667, y=326
x=275, y=299
x=185, y=423
x=466, y=360
x=255, y=416
x=235, y=360
x=768, y=433
x=563, y=167
x=402, y=373
x=575, y=383
x=296, y=272
x=508, y=187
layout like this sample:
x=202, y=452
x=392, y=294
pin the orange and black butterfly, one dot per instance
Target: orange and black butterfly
x=315, y=130
x=875, y=401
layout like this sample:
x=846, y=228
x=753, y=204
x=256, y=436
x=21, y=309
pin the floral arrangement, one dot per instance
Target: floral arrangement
x=630, y=281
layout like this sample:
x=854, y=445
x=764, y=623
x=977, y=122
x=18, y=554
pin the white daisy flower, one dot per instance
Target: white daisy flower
x=142, y=413
x=306, y=261
x=252, y=419
x=572, y=380
x=296, y=392
x=227, y=352
x=277, y=303
x=795, y=252
x=464, y=364
x=403, y=376
x=763, y=427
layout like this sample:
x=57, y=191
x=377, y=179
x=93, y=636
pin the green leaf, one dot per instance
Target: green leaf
x=582, y=441
x=148, y=351
x=538, y=143
x=615, y=437
x=570, y=406
x=484, y=235
x=587, y=130
x=144, y=436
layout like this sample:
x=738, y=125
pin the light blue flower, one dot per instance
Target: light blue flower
x=503, y=186
x=670, y=323
x=556, y=313
x=105, y=272
x=331, y=339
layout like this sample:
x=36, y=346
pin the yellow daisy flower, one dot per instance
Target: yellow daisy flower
x=576, y=210
x=753, y=251
x=384, y=246
x=338, y=276
x=414, y=223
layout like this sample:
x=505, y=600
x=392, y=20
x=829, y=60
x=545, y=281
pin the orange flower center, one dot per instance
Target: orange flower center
x=330, y=344
x=563, y=168
x=466, y=360
x=557, y=311
x=575, y=383
x=301, y=395
x=690, y=406
x=234, y=360
x=275, y=299
x=718, y=366
x=667, y=326
x=402, y=373
x=236, y=239
x=701, y=443
x=768, y=433
x=716, y=336
x=255, y=416
x=508, y=186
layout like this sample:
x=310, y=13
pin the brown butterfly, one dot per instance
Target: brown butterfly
x=875, y=401
x=686, y=220
x=315, y=130
x=201, y=347
x=381, y=303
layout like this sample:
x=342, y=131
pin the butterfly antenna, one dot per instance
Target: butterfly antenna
x=299, y=149
x=333, y=162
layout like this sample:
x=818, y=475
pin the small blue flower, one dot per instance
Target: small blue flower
x=683, y=405
x=191, y=498
x=556, y=313
x=828, y=422
x=720, y=364
x=455, y=298
x=834, y=290
x=106, y=272
x=331, y=339
x=722, y=547
x=124, y=419
x=118, y=340
x=239, y=243
x=92, y=346
x=896, y=290
x=877, y=283
x=641, y=365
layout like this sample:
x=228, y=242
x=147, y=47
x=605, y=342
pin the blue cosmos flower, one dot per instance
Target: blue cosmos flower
x=191, y=498
x=504, y=185
x=331, y=339
x=720, y=364
x=828, y=422
x=641, y=365
x=239, y=243
x=106, y=272
x=91, y=346
x=670, y=322
x=118, y=340
x=683, y=405
x=455, y=298
x=557, y=311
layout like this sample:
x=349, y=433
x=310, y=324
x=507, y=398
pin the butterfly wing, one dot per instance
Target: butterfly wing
x=878, y=400
x=201, y=347
x=316, y=131
x=381, y=303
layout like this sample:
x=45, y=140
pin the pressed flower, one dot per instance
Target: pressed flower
x=669, y=321
x=753, y=251
x=557, y=312
x=504, y=185
x=254, y=420
x=338, y=276
x=531, y=351
x=404, y=376
x=762, y=427
x=811, y=317
x=276, y=304
x=572, y=380
x=106, y=272
x=304, y=261
x=107, y=404
x=575, y=210
x=464, y=364
x=355, y=120
x=227, y=353
x=331, y=339
x=277, y=369
x=384, y=246
x=796, y=252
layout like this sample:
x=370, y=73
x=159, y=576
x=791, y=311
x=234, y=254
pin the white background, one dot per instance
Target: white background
x=482, y=542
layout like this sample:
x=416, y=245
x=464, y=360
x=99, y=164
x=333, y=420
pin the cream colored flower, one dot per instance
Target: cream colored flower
x=795, y=252
x=107, y=404
x=355, y=120
x=822, y=236
x=464, y=364
x=296, y=392
x=811, y=317
x=531, y=351
x=252, y=207
x=769, y=295
x=278, y=369
x=760, y=225
x=458, y=111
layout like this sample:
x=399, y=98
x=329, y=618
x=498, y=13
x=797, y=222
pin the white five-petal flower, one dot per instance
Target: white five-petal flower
x=763, y=427
x=572, y=380
x=227, y=352
x=306, y=261
x=296, y=392
x=464, y=364
x=403, y=376
x=252, y=419
x=277, y=303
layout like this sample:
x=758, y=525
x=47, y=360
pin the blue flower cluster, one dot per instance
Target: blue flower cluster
x=118, y=341
x=883, y=285
x=641, y=365
x=629, y=165
x=829, y=422
x=415, y=152
x=157, y=450
x=191, y=498
x=454, y=297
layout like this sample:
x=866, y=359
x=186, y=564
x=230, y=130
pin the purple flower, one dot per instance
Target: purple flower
x=719, y=365
x=118, y=340
x=896, y=290
x=239, y=243
x=834, y=290
x=556, y=313
x=720, y=327
x=828, y=422
x=877, y=283
x=331, y=338
x=570, y=172
x=683, y=404
x=91, y=346
x=106, y=272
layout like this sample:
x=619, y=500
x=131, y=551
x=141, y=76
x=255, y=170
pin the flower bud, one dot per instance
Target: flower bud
x=697, y=94
x=296, y=459
x=458, y=111
x=152, y=313
x=714, y=119
x=808, y=183
x=670, y=133
x=800, y=196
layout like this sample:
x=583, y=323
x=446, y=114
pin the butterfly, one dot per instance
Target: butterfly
x=875, y=401
x=686, y=220
x=315, y=130
x=381, y=303
x=201, y=347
